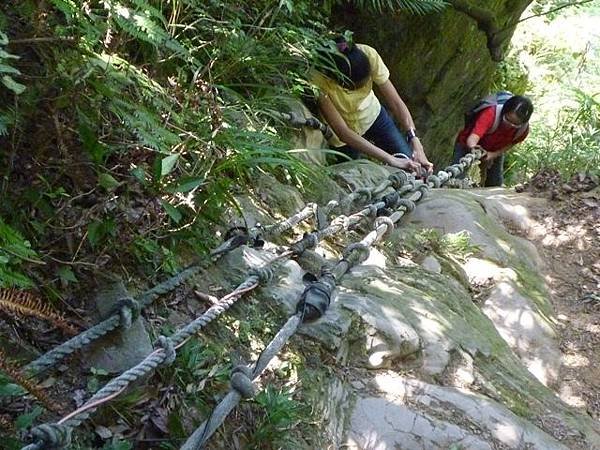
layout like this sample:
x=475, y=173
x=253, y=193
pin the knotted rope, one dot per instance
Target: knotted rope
x=48, y=436
x=127, y=311
x=242, y=385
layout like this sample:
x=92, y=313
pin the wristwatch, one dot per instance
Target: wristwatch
x=410, y=134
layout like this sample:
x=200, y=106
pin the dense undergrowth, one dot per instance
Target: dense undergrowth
x=127, y=128
x=137, y=124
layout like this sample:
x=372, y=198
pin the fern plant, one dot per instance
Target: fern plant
x=14, y=251
x=21, y=385
x=25, y=304
x=7, y=74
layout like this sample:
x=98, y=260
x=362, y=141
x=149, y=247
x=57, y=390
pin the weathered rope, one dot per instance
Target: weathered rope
x=122, y=317
x=242, y=387
x=343, y=223
x=358, y=252
x=257, y=234
x=58, y=435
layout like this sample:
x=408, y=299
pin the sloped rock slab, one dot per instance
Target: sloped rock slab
x=522, y=315
x=410, y=414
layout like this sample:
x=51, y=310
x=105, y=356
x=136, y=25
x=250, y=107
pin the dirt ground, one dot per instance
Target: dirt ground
x=570, y=246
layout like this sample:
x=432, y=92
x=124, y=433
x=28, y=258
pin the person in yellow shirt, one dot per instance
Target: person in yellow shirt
x=359, y=122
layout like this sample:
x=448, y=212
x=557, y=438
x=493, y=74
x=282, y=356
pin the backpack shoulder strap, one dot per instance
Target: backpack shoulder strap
x=497, y=119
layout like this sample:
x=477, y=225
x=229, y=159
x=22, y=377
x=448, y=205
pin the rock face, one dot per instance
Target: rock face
x=427, y=365
x=440, y=63
x=125, y=347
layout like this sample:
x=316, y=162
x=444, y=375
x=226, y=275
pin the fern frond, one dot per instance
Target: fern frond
x=67, y=7
x=417, y=7
x=10, y=369
x=25, y=304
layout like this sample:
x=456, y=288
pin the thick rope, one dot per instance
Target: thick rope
x=58, y=435
x=54, y=435
x=116, y=320
x=344, y=223
x=240, y=388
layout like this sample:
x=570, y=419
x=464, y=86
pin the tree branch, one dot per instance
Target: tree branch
x=545, y=13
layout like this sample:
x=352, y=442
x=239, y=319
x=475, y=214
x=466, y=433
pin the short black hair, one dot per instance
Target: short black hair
x=353, y=66
x=519, y=105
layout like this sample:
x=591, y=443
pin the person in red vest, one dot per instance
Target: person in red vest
x=496, y=126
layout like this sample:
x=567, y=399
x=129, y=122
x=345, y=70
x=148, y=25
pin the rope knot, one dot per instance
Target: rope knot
x=295, y=119
x=51, y=436
x=412, y=184
x=168, y=347
x=434, y=180
x=467, y=159
x=359, y=249
x=128, y=309
x=424, y=189
x=391, y=200
x=454, y=170
x=264, y=274
x=316, y=298
x=382, y=220
x=409, y=205
x=398, y=179
x=309, y=240
x=372, y=211
x=341, y=221
x=241, y=381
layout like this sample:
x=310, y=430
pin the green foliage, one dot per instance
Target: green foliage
x=8, y=388
x=561, y=55
x=279, y=414
x=511, y=75
x=7, y=74
x=573, y=146
x=14, y=252
x=170, y=101
x=117, y=444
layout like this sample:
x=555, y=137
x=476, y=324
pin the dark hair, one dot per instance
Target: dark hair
x=519, y=105
x=352, y=65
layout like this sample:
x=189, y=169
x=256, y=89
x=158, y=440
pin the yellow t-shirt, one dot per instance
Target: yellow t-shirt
x=360, y=107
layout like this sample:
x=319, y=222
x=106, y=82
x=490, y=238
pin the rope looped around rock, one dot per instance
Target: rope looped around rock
x=129, y=310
